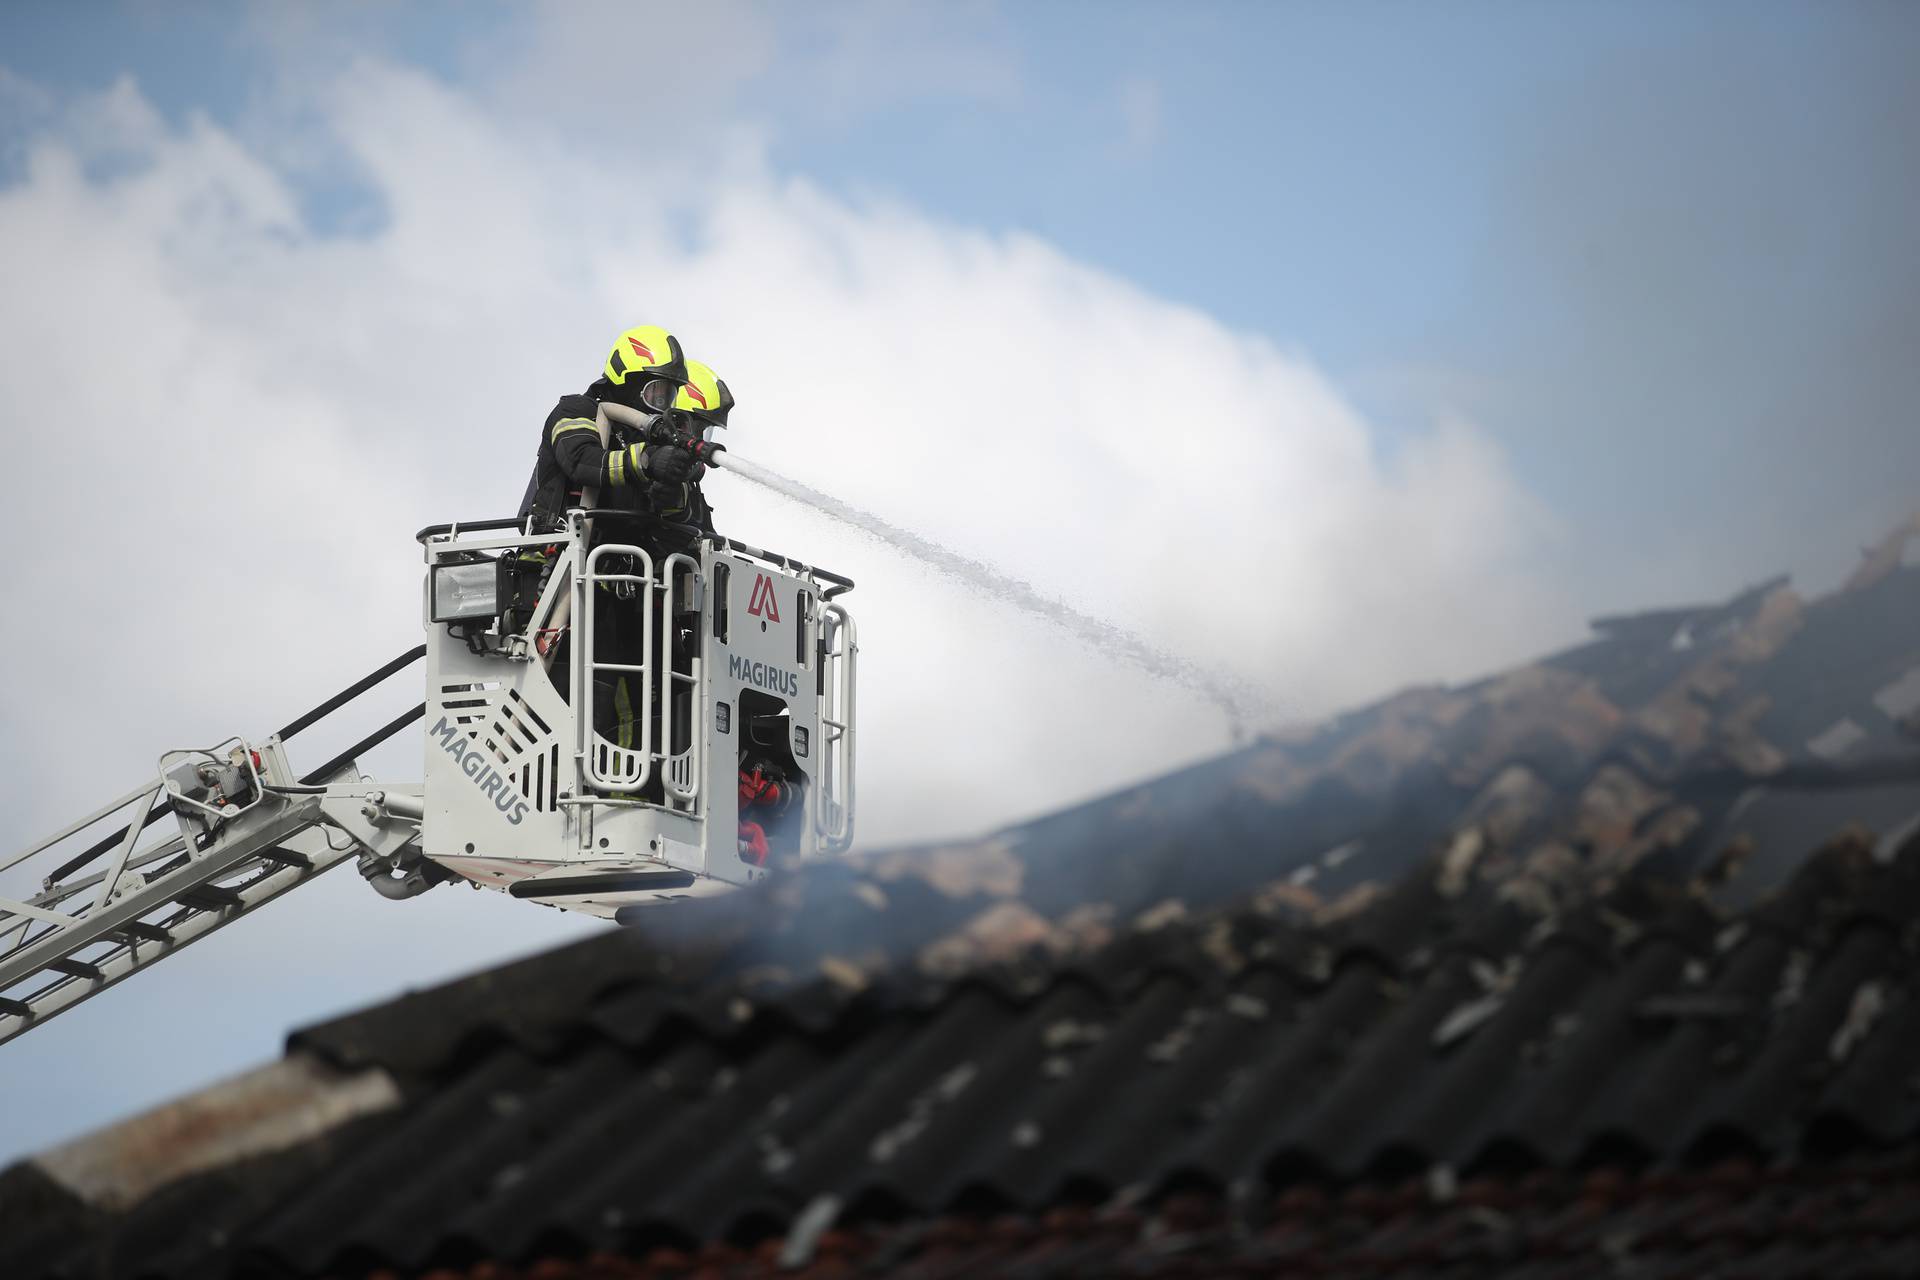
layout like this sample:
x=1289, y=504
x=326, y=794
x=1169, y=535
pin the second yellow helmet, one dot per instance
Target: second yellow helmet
x=703, y=395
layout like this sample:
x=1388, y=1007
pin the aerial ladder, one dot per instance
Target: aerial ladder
x=594, y=696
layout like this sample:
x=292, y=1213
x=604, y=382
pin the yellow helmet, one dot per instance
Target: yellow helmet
x=704, y=396
x=648, y=350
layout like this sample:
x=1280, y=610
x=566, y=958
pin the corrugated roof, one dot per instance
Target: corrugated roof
x=1562, y=920
x=1428, y=1036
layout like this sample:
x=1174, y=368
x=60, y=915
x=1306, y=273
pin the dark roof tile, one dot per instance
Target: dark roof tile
x=1188, y=1070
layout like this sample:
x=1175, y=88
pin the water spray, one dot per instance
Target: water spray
x=1236, y=698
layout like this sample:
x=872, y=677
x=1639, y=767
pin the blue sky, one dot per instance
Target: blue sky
x=1340, y=147
x=1417, y=196
x=1340, y=345
x=1389, y=187
x=1362, y=181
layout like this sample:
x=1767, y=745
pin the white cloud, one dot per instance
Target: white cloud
x=273, y=412
x=223, y=430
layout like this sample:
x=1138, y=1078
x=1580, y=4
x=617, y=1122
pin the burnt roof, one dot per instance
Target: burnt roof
x=1442, y=1035
x=1636, y=908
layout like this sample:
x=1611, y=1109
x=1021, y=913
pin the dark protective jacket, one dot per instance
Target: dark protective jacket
x=571, y=460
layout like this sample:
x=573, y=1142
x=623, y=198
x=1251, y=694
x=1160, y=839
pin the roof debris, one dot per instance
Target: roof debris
x=1869, y=1002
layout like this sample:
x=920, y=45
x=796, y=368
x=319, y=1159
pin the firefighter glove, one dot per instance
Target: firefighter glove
x=669, y=464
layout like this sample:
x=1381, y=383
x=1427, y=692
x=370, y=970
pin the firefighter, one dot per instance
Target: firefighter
x=643, y=371
x=699, y=408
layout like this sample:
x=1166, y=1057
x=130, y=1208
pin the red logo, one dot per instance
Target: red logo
x=694, y=393
x=761, y=603
x=640, y=349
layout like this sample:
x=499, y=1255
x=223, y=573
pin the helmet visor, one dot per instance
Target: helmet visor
x=656, y=394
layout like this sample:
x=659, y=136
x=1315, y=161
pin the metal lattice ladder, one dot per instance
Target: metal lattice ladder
x=90, y=926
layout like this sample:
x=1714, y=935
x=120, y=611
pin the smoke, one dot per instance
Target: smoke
x=1717, y=244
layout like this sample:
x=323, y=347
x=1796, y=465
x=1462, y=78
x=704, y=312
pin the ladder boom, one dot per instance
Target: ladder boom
x=252, y=833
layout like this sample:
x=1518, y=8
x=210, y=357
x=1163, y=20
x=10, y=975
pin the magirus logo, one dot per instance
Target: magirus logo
x=762, y=603
x=764, y=675
x=493, y=785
